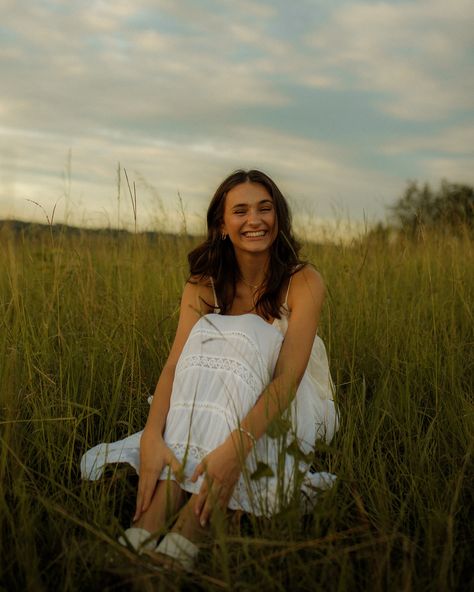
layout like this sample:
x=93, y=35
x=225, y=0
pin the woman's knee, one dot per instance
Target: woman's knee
x=170, y=494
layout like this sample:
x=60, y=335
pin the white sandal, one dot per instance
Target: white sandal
x=139, y=539
x=180, y=549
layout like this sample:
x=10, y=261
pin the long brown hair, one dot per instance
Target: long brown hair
x=215, y=258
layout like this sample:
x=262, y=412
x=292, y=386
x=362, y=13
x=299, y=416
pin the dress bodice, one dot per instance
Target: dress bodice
x=317, y=370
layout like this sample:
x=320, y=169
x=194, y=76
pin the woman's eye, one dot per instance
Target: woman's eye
x=266, y=210
x=239, y=212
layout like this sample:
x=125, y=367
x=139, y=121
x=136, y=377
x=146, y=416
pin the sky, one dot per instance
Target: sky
x=340, y=102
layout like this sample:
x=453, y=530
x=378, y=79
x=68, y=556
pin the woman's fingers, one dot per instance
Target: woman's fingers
x=149, y=477
x=138, y=506
x=145, y=493
x=206, y=512
x=209, y=495
x=140, y=500
x=198, y=471
x=213, y=498
x=201, y=498
x=176, y=467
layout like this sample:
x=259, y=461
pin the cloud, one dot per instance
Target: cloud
x=308, y=171
x=181, y=93
x=415, y=54
x=451, y=140
x=96, y=64
x=458, y=170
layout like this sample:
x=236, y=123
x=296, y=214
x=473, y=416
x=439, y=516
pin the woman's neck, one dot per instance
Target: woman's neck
x=253, y=268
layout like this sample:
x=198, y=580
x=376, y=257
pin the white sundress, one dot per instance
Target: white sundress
x=226, y=363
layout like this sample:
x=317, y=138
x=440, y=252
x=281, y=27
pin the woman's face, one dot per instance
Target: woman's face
x=250, y=218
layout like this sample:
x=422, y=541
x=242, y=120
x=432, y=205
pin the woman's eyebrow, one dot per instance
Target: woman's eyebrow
x=245, y=205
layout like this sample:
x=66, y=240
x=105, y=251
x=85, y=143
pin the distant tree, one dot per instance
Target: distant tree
x=450, y=208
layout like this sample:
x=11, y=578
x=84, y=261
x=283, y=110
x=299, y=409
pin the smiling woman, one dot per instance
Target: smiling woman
x=246, y=390
x=245, y=205
x=249, y=218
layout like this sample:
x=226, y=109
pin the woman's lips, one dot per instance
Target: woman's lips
x=254, y=233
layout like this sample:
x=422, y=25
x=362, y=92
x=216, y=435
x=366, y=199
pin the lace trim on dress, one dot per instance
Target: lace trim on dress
x=180, y=449
x=214, y=333
x=193, y=405
x=249, y=493
x=195, y=454
x=214, y=363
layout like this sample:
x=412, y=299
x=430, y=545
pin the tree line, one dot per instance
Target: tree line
x=448, y=208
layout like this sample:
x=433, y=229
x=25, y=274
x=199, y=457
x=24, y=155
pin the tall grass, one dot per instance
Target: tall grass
x=86, y=324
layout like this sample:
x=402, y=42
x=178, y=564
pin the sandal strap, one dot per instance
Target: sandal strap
x=139, y=539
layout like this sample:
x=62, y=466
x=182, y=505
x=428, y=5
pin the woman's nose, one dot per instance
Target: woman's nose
x=253, y=218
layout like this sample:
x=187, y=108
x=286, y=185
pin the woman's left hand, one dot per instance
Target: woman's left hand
x=221, y=469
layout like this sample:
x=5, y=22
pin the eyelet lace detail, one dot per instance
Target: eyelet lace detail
x=191, y=450
x=209, y=332
x=192, y=406
x=226, y=364
x=252, y=493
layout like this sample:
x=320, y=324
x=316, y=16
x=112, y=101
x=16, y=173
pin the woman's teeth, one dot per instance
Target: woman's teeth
x=254, y=234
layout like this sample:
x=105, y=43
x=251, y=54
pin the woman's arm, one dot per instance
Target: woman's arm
x=305, y=303
x=154, y=454
x=190, y=311
x=223, y=465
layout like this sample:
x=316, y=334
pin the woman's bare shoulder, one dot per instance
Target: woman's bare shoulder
x=199, y=289
x=202, y=281
x=306, y=276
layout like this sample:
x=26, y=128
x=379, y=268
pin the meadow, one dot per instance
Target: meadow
x=86, y=322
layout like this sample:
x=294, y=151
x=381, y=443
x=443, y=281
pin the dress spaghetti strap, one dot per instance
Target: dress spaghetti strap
x=217, y=309
x=285, y=304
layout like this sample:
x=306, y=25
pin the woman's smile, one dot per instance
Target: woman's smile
x=250, y=217
x=254, y=234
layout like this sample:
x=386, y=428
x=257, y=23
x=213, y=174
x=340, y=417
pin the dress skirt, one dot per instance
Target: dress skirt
x=225, y=365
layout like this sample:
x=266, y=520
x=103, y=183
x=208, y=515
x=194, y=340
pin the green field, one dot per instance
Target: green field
x=86, y=322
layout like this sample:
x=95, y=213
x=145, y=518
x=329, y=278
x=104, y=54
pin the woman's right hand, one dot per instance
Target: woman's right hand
x=154, y=456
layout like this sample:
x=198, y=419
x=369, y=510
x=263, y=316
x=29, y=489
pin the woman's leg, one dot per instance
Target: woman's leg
x=187, y=523
x=179, y=545
x=166, y=502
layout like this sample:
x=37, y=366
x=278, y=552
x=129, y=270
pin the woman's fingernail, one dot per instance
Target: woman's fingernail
x=203, y=523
